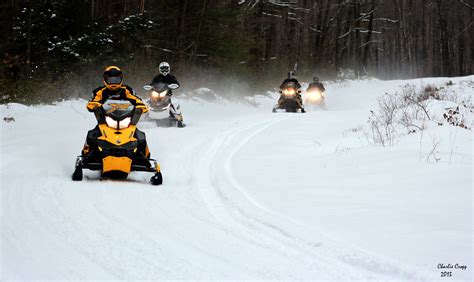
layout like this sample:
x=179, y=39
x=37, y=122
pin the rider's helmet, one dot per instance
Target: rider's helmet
x=316, y=79
x=164, y=68
x=291, y=74
x=113, y=77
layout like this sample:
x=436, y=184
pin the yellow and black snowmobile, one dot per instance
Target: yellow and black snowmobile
x=117, y=147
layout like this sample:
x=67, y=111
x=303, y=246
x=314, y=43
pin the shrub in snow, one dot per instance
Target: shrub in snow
x=454, y=117
x=381, y=122
x=412, y=110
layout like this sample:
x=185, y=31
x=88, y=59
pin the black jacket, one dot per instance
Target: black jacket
x=294, y=80
x=168, y=79
x=316, y=85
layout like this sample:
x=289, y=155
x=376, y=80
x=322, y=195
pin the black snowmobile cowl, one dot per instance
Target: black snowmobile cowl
x=118, y=110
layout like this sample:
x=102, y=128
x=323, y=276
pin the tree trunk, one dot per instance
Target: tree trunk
x=368, y=38
x=28, y=41
x=203, y=10
x=444, y=41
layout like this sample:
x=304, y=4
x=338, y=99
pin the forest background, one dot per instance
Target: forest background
x=57, y=49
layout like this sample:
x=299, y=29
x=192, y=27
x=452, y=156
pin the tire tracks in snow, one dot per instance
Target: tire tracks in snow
x=277, y=235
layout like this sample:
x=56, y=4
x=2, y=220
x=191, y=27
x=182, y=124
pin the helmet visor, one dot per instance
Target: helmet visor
x=113, y=79
x=165, y=69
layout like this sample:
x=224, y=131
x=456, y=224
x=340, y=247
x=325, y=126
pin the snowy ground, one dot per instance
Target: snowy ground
x=247, y=194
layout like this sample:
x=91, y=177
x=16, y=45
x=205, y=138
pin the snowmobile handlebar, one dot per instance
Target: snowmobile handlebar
x=100, y=114
x=160, y=86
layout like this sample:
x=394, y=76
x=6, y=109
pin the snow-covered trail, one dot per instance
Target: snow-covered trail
x=215, y=216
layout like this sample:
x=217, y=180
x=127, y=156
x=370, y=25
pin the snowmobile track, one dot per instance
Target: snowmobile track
x=252, y=223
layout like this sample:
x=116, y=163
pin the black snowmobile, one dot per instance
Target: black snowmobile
x=162, y=111
x=120, y=148
x=290, y=99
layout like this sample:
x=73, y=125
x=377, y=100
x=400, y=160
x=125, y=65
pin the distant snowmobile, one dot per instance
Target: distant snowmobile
x=314, y=97
x=120, y=148
x=290, y=99
x=162, y=111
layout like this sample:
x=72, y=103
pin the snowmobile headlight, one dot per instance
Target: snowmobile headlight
x=124, y=123
x=289, y=92
x=315, y=94
x=111, y=122
x=163, y=94
x=155, y=94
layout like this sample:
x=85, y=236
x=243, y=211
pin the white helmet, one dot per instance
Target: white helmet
x=164, y=68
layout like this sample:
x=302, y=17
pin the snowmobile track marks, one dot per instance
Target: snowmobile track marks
x=250, y=222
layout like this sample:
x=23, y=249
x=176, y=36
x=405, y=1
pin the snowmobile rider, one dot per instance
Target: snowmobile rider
x=291, y=79
x=316, y=85
x=165, y=76
x=113, y=89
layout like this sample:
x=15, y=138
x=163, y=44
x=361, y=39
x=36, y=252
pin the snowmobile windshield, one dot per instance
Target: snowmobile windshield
x=289, y=85
x=160, y=86
x=118, y=109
